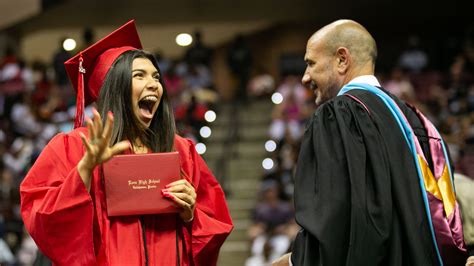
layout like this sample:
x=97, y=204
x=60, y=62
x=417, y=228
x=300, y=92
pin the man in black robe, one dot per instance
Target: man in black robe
x=357, y=193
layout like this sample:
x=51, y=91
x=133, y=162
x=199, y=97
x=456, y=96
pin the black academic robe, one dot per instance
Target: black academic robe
x=357, y=193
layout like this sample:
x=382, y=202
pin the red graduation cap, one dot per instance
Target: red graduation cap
x=88, y=69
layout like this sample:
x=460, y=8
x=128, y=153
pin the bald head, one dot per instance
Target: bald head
x=351, y=35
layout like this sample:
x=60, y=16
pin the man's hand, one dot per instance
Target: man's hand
x=470, y=261
x=283, y=260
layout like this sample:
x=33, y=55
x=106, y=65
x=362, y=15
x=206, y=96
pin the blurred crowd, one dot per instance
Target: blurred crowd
x=37, y=102
x=446, y=97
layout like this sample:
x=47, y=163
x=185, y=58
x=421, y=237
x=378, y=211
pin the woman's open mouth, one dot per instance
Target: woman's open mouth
x=146, y=107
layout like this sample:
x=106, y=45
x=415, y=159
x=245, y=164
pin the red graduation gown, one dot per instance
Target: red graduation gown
x=71, y=227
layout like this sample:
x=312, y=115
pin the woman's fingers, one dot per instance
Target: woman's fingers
x=85, y=142
x=97, y=145
x=93, y=130
x=97, y=125
x=182, y=199
x=180, y=183
x=183, y=194
x=108, y=128
x=185, y=201
x=98, y=134
x=119, y=147
x=90, y=128
x=181, y=188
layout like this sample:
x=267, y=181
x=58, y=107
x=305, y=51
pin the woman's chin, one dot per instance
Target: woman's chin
x=144, y=121
x=145, y=118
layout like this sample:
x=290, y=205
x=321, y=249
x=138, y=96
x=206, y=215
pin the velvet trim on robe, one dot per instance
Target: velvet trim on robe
x=357, y=195
x=71, y=227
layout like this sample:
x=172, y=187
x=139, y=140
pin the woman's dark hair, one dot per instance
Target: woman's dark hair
x=116, y=96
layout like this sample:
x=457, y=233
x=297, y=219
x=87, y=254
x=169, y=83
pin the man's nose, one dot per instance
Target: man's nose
x=306, y=79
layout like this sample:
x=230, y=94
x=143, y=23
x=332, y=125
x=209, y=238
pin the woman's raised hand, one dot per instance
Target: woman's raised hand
x=98, y=149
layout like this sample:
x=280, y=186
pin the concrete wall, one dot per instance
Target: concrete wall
x=41, y=44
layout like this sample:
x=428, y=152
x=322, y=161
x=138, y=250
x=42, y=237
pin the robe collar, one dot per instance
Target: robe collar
x=367, y=79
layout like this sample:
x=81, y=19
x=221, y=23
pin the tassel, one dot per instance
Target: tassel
x=80, y=95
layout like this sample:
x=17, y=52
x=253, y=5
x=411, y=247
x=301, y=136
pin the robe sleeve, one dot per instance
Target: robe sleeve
x=342, y=189
x=212, y=222
x=56, y=207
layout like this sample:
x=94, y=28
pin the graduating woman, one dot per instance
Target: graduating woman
x=62, y=198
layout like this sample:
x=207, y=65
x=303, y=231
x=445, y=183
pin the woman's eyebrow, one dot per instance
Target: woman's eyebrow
x=143, y=70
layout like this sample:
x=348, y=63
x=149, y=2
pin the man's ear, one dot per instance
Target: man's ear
x=344, y=60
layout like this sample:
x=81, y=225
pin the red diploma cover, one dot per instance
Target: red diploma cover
x=133, y=183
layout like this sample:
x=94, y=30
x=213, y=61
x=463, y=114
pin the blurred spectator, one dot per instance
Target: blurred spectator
x=41, y=82
x=23, y=117
x=261, y=257
x=6, y=256
x=174, y=83
x=9, y=194
x=291, y=85
x=18, y=157
x=28, y=250
x=286, y=120
x=239, y=60
x=271, y=211
x=465, y=164
x=459, y=86
x=58, y=60
x=190, y=118
x=464, y=184
x=8, y=58
x=10, y=221
x=163, y=63
x=87, y=37
x=465, y=196
x=289, y=115
x=27, y=75
x=271, y=218
x=413, y=58
x=470, y=98
x=468, y=54
x=436, y=104
x=198, y=53
x=11, y=78
x=266, y=248
x=13, y=81
x=281, y=127
x=261, y=84
x=400, y=85
x=198, y=77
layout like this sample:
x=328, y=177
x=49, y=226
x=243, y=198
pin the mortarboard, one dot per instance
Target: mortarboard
x=88, y=69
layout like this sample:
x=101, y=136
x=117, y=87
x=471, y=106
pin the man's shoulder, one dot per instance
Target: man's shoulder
x=364, y=95
x=368, y=99
x=342, y=102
